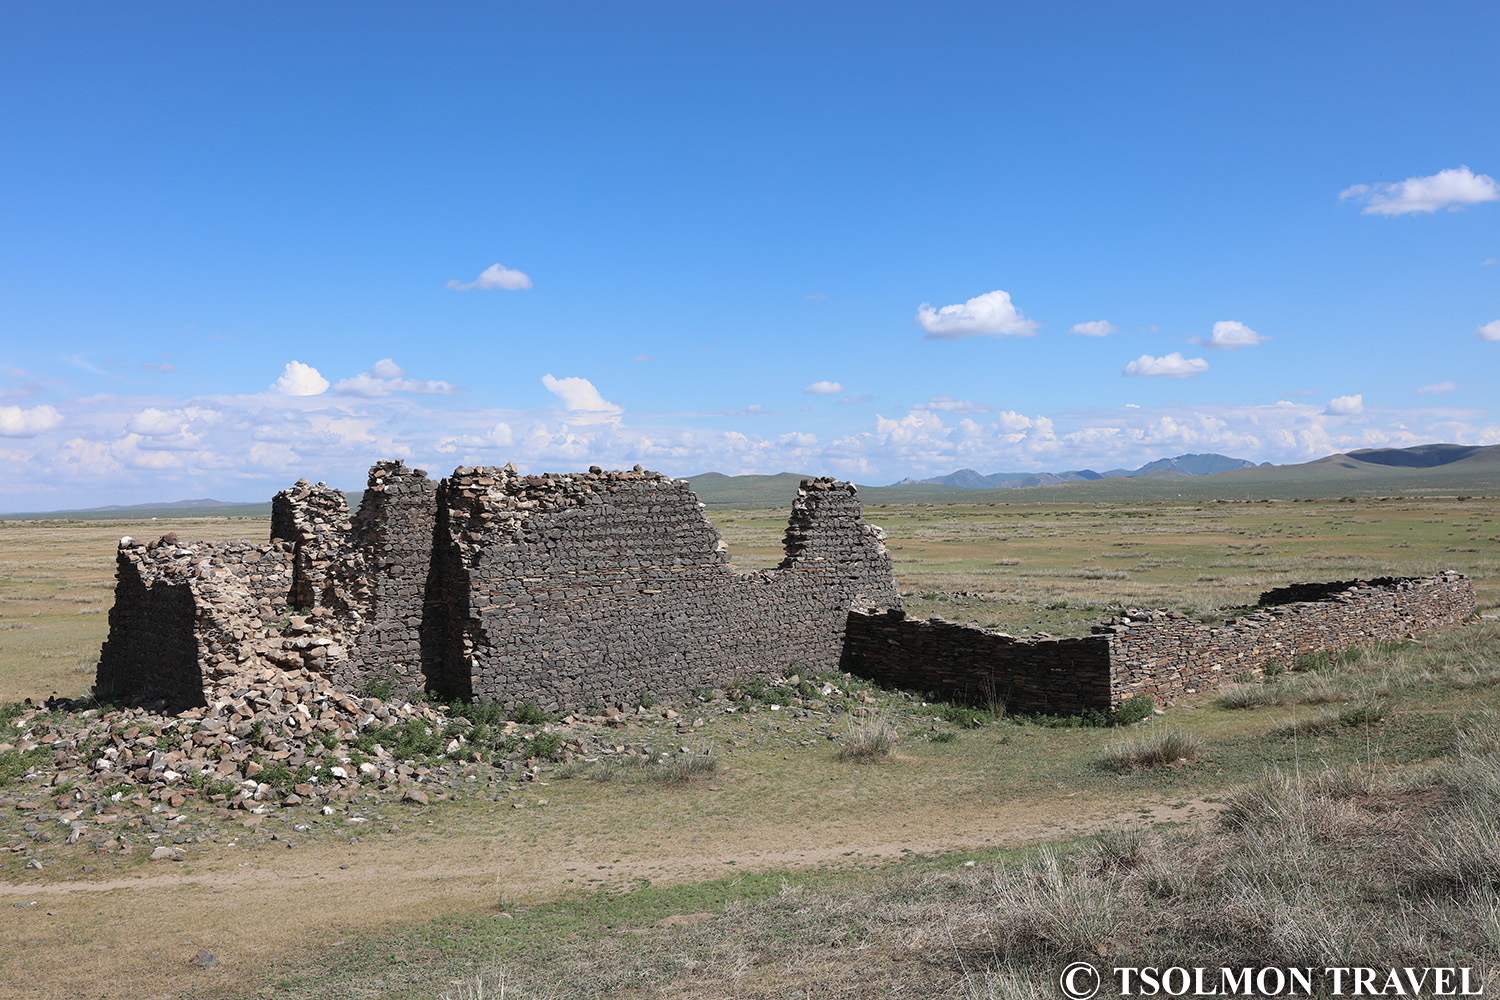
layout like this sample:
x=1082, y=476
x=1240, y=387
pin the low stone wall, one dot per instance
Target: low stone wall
x=962, y=663
x=1163, y=654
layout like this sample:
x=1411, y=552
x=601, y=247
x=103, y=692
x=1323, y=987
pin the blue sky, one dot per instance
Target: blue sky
x=248, y=243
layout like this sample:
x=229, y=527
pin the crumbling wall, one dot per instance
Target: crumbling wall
x=956, y=662
x=1163, y=654
x=185, y=612
x=393, y=534
x=598, y=587
x=564, y=589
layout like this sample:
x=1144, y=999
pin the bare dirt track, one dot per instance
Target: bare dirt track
x=252, y=908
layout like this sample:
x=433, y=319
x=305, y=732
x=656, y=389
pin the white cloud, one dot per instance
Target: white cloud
x=1229, y=335
x=947, y=404
x=386, y=377
x=300, y=380
x=494, y=276
x=581, y=400
x=1449, y=189
x=1346, y=406
x=16, y=421
x=824, y=388
x=1439, y=387
x=1173, y=365
x=1490, y=331
x=991, y=314
x=1094, y=328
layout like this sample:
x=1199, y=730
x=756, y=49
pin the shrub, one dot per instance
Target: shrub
x=1158, y=750
x=868, y=743
x=381, y=688
x=546, y=746
x=1134, y=709
x=529, y=713
x=944, y=737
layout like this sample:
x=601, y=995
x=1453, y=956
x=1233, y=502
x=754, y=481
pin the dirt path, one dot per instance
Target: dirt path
x=253, y=908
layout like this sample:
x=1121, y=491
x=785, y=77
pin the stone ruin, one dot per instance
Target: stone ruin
x=1162, y=654
x=587, y=590
x=570, y=591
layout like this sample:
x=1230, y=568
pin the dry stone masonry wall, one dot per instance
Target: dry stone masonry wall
x=606, y=588
x=568, y=590
x=1163, y=654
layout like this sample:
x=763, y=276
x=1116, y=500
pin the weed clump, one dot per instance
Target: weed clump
x=1159, y=750
x=1134, y=709
x=869, y=743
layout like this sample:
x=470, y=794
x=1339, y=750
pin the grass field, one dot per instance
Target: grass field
x=966, y=860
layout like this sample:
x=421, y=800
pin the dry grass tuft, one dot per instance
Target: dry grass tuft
x=1158, y=750
x=869, y=743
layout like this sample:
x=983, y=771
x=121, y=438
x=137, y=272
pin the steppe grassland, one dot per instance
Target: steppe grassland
x=842, y=870
x=1058, y=568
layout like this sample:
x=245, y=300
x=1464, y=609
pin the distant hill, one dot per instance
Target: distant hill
x=1423, y=470
x=1461, y=470
x=1162, y=468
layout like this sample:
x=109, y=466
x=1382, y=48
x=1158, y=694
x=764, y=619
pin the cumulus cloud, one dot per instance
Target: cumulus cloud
x=1346, y=406
x=1439, y=387
x=581, y=400
x=492, y=277
x=1489, y=331
x=386, y=377
x=300, y=380
x=1451, y=189
x=1229, y=335
x=1094, y=328
x=1173, y=365
x=824, y=388
x=991, y=314
x=17, y=421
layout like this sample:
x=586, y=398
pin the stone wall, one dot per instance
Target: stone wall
x=955, y=662
x=185, y=611
x=1163, y=654
x=598, y=588
x=567, y=590
x=602, y=588
x=393, y=531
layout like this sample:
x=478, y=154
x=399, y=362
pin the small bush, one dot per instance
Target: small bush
x=869, y=743
x=944, y=737
x=529, y=713
x=1151, y=751
x=1273, y=668
x=546, y=746
x=381, y=688
x=1314, y=661
x=1134, y=709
